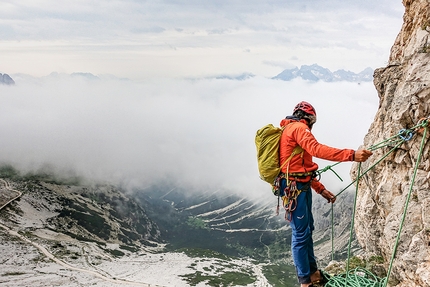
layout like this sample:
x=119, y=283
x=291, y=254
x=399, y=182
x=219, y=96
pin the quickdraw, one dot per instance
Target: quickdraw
x=289, y=199
x=276, y=187
x=290, y=192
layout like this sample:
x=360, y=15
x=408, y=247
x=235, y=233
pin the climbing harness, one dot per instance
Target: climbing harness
x=359, y=276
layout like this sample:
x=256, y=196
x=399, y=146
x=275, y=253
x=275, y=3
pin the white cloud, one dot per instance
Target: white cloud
x=282, y=64
x=139, y=39
x=200, y=133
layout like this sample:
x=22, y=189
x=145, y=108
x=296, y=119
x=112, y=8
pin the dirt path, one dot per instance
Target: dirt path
x=8, y=198
x=7, y=195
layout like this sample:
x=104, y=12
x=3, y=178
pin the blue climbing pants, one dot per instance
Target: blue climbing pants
x=302, y=225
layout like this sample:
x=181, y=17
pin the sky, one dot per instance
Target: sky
x=171, y=38
x=157, y=113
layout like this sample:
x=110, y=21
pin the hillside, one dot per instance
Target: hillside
x=94, y=233
x=65, y=233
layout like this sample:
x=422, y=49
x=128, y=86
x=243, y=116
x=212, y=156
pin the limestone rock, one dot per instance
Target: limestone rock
x=404, y=92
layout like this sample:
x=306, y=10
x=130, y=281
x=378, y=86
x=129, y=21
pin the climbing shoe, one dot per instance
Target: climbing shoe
x=324, y=278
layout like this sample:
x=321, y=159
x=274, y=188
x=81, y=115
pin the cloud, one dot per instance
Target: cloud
x=198, y=133
x=95, y=21
x=138, y=39
x=282, y=64
x=154, y=29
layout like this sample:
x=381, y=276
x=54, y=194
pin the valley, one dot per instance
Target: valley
x=76, y=234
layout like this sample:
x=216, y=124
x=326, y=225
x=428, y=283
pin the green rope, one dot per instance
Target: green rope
x=329, y=167
x=389, y=142
x=402, y=136
x=396, y=141
x=360, y=277
x=371, y=167
x=332, y=232
x=351, y=231
x=406, y=206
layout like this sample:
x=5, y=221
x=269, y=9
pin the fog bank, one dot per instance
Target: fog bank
x=197, y=133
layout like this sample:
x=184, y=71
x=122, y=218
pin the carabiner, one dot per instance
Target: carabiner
x=408, y=134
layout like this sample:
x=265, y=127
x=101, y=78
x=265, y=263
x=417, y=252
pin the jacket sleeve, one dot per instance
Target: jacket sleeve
x=317, y=186
x=307, y=141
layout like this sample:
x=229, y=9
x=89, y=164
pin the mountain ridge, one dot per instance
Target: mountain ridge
x=315, y=73
x=311, y=73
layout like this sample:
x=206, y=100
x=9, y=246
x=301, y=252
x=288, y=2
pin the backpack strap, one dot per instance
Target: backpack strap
x=297, y=150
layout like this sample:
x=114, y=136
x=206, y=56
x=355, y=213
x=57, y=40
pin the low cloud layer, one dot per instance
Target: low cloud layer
x=198, y=133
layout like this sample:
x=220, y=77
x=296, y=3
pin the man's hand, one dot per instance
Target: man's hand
x=362, y=155
x=329, y=196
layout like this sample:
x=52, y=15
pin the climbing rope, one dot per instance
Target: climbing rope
x=395, y=142
x=351, y=232
x=360, y=277
x=406, y=205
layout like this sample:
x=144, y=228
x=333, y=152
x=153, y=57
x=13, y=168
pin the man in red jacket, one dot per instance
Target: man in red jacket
x=299, y=174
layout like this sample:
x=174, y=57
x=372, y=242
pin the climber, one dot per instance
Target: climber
x=300, y=173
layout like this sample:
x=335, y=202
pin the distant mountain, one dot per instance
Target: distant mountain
x=5, y=79
x=87, y=76
x=54, y=76
x=84, y=76
x=240, y=77
x=316, y=73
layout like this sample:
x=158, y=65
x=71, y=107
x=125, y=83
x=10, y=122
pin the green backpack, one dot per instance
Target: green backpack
x=267, y=143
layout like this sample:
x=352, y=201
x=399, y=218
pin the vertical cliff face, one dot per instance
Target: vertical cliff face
x=404, y=91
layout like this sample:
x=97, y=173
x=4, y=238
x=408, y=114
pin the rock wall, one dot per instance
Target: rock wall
x=404, y=92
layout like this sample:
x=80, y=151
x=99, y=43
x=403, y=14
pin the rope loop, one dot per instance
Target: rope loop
x=422, y=123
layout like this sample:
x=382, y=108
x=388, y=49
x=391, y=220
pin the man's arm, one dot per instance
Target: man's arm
x=307, y=141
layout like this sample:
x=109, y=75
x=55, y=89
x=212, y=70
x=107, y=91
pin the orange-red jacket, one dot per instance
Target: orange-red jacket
x=298, y=133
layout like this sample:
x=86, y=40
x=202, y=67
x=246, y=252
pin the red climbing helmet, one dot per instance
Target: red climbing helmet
x=306, y=107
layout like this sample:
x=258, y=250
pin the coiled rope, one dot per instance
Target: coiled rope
x=360, y=277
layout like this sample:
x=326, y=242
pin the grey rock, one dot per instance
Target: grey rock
x=404, y=92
